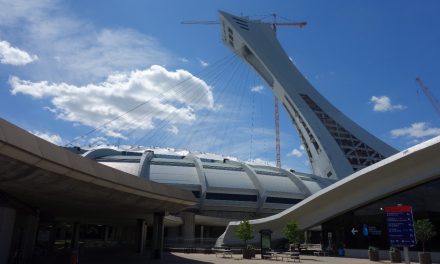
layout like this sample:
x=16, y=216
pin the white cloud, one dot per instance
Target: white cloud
x=383, y=104
x=295, y=152
x=97, y=141
x=416, y=130
x=257, y=89
x=14, y=56
x=174, y=96
x=183, y=59
x=53, y=138
x=73, y=49
x=173, y=130
x=260, y=161
x=203, y=63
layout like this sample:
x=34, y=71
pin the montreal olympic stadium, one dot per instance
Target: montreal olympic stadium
x=225, y=189
x=148, y=198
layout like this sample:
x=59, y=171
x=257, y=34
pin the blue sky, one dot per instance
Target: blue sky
x=66, y=67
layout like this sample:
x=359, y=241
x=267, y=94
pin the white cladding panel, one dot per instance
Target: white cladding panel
x=276, y=184
x=228, y=179
x=174, y=174
x=127, y=167
x=312, y=185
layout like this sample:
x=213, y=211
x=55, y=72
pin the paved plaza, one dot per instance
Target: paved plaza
x=193, y=258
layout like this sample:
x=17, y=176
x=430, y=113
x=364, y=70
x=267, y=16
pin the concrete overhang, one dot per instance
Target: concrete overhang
x=55, y=181
x=406, y=169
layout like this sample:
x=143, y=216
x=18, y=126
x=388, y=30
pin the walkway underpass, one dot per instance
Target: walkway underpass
x=48, y=194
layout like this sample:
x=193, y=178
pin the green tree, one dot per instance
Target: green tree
x=425, y=230
x=244, y=231
x=293, y=233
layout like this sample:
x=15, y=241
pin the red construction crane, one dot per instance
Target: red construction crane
x=429, y=95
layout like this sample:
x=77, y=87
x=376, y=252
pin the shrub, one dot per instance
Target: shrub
x=244, y=231
x=425, y=230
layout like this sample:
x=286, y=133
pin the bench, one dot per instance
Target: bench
x=223, y=252
x=294, y=255
x=316, y=249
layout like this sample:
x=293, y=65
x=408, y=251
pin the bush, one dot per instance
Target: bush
x=425, y=230
x=244, y=231
x=293, y=233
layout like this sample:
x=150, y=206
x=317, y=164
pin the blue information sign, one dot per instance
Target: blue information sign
x=400, y=226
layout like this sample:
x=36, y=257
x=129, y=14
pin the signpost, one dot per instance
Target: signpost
x=401, y=227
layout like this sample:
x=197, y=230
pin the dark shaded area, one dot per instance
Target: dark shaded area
x=367, y=226
x=112, y=256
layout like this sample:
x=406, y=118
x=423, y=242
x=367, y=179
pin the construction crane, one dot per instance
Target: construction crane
x=274, y=25
x=429, y=95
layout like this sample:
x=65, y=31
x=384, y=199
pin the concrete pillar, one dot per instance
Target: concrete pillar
x=173, y=232
x=201, y=234
x=188, y=228
x=75, y=235
x=106, y=232
x=157, y=239
x=141, y=234
x=306, y=237
x=7, y=221
x=29, y=239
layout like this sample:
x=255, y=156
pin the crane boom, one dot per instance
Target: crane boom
x=201, y=22
x=297, y=24
x=429, y=95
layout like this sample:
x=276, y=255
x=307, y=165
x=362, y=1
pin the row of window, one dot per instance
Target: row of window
x=245, y=198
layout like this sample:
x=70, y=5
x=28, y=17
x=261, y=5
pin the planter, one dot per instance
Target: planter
x=248, y=253
x=395, y=257
x=425, y=258
x=373, y=255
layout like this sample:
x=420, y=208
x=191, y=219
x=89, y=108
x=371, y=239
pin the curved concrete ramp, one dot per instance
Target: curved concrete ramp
x=414, y=166
x=60, y=183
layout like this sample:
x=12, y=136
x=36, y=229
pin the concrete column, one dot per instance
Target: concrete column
x=75, y=235
x=157, y=239
x=141, y=233
x=30, y=231
x=201, y=234
x=7, y=221
x=306, y=237
x=173, y=232
x=106, y=231
x=188, y=228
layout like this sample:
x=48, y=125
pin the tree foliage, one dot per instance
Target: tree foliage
x=293, y=233
x=425, y=230
x=244, y=231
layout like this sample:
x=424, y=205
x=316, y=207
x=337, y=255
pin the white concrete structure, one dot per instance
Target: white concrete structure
x=336, y=146
x=40, y=181
x=226, y=189
x=404, y=170
x=367, y=168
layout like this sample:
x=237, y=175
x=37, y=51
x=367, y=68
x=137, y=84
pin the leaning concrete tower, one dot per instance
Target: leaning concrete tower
x=336, y=146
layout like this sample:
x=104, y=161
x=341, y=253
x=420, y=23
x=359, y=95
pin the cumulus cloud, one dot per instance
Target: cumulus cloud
x=73, y=49
x=173, y=130
x=53, y=138
x=257, y=89
x=383, y=104
x=296, y=153
x=14, y=56
x=157, y=94
x=260, y=161
x=203, y=63
x=417, y=131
